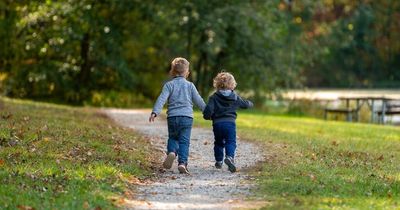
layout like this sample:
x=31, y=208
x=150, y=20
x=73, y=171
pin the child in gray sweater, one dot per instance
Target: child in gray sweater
x=180, y=95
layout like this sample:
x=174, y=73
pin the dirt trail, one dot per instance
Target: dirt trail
x=206, y=187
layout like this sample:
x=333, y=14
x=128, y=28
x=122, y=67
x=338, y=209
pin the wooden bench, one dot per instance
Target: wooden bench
x=389, y=107
x=349, y=112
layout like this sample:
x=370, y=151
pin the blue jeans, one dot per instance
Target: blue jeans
x=225, y=138
x=179, y=130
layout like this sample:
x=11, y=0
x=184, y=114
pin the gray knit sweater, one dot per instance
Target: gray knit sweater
x=180, y=95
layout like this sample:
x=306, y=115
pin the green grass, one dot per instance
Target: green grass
x=316, y=164
x=59, y=157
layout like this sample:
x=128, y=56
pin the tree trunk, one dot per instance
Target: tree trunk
x=9, y=52
x=189, y=41
x=83, y=85
x=84, y=74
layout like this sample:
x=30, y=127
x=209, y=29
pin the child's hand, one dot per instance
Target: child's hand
x=152, y=116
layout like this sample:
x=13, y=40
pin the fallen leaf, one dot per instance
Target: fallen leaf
x=22, y=207
x=6, y=116
x=120, y=201
x=44, y=128
x=312, y=177
x=313, y=156
x=389, y=194
x=85, y=205
x=129, y=194
x=380, y=157
x=1, y=162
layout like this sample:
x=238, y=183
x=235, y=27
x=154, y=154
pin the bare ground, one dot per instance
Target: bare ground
x=206, y=187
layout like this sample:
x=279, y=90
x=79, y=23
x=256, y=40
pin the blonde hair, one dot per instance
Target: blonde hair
x=179, y=67
x=224, y=81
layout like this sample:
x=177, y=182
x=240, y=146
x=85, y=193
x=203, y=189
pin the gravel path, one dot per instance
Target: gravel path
x=206, y=187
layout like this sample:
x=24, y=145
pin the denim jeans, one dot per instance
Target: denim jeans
x=179, y=130
x=225, y=138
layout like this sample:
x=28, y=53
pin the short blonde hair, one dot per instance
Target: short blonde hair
x=179, y=67
x=224, y=81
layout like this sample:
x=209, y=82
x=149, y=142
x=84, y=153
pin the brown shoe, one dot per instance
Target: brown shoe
x=169, y=160
x=182, y=168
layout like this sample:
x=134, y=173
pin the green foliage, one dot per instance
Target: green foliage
x=118, y=99
x=58, y=157
x=357, y=43
x=68, y=50
x=315, y=164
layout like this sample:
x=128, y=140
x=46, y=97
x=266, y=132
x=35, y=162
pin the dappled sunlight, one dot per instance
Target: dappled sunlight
x=54, y=154
x=325, y=164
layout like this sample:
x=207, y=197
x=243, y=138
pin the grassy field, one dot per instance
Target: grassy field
x=58, y=157
x=316, y=164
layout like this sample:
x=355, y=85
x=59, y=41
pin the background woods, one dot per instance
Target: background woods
x=118, y=52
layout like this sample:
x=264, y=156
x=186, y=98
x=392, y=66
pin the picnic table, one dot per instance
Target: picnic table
x=372, y=102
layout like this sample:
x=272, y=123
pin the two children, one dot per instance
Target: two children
x=180, y=95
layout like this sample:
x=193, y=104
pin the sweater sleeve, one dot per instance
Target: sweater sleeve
x=244, y=104
x=197, y=99
x=209, y=110
x=161, y=100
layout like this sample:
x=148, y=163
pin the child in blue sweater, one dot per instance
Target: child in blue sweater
x=180, y=95
x=221, y=109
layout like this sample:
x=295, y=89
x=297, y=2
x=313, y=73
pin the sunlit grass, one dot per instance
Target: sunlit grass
x=58, y=157
x=316, y=164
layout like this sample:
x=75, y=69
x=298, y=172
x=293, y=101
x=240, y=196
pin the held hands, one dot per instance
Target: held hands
x=152, y=117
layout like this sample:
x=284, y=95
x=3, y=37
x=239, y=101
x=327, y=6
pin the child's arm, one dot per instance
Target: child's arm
x=244, y=104
x=161, y=100
x=209, y=110
x=197, y=99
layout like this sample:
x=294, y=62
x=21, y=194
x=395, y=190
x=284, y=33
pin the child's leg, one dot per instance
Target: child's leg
x=218, y=142
x=230, y=139
x=172, y=144
x=184, y=129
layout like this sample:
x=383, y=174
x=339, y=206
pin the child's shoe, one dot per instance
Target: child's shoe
x=218, y=164
x=231, y=164
x=169, y=160
x=182, y=168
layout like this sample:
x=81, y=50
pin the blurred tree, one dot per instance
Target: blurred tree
x=358, y=44
x=8, y=38
x=79, y=50
x=236, y=36
x=70, y=49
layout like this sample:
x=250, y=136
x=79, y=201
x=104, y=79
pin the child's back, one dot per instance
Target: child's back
x=221, y=109
x=223, y=105
x=179, y=94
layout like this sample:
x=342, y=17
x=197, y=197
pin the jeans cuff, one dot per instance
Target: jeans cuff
x=182, y=162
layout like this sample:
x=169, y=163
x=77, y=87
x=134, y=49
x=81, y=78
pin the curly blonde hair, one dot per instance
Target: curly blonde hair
x=179, y=67
x=224, y=81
